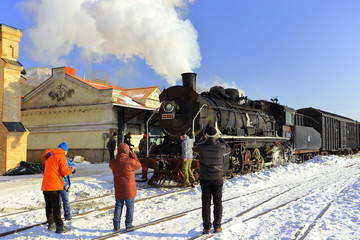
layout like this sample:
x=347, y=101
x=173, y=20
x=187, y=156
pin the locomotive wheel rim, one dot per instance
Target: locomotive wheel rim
x=246, y=169
x=276, y=161
x=287, y=154
x=257, y=154
x=260, y=164
x=247, y=156
x=241, y=163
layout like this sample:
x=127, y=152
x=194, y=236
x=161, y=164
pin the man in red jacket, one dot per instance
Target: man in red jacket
x=56, y=168
x=123, y=167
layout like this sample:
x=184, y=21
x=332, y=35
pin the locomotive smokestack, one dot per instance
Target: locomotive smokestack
x=189, y=80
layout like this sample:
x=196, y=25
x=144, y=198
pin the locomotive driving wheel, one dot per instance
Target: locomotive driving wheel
x=259, y=160
x=288, y=154
x=247, y=164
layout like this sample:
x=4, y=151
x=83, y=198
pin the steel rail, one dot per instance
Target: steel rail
x=88, y=212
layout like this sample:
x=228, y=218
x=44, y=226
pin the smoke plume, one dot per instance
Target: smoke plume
x=215, y=80
x=152, y=30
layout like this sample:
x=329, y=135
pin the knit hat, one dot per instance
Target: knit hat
x=211, y=132
x=64, y=146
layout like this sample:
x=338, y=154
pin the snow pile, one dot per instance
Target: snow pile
x=314, y=200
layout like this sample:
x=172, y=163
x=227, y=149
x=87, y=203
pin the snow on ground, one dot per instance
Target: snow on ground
x=318, y=199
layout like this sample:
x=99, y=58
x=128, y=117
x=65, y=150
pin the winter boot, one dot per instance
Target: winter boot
x=52, y=227
x=206, y=231
x=130, y=227
x=217, y=230
x=62, y=229
x=67, y=222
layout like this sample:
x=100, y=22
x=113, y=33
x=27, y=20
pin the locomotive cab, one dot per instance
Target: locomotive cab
x=283, y=115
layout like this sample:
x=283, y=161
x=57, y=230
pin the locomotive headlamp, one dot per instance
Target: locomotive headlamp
x=168, y=107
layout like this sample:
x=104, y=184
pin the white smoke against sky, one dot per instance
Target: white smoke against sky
x=152, y=30
x=216, y=80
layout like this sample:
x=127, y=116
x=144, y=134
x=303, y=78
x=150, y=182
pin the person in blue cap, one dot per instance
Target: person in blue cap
x=56, y=168
x=65, y=191
x=64, y=194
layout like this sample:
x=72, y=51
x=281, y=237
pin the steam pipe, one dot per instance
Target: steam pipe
x=193, y=122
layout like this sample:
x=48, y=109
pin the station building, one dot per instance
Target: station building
x=84, y=114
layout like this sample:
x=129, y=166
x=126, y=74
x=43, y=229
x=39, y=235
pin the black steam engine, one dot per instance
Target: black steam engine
x=261, y=134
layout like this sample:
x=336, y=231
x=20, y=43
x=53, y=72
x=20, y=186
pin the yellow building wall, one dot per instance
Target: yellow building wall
x=14, y=142
x=13, y=145
x=64, y=115
x=81, y=127
x=12, y=94
x=2, y=65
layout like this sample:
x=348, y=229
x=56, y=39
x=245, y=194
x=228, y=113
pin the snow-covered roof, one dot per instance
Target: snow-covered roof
x=126, y=98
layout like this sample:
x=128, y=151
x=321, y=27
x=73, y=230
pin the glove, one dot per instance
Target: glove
x=73, y=168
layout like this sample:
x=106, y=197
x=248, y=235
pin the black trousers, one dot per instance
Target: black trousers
x=53, y=207
x=211, y=188
x=111, y=153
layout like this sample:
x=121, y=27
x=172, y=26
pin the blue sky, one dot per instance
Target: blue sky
x=305, y=52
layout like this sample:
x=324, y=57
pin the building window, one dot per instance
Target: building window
x=134, y=128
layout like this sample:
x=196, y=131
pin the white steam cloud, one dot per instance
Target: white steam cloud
x=217, y=81
x=152, y=30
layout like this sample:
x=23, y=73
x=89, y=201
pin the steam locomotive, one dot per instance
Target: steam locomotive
x=262, y=134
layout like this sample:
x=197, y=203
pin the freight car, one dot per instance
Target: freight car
x=339, y=134
x=262, y=134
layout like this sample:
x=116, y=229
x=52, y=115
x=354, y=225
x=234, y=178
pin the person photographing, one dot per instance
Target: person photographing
x=211, y=152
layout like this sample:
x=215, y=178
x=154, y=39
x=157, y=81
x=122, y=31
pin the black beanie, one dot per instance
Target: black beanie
x=211, y=132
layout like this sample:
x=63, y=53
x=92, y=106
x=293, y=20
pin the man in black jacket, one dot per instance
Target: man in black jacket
x=127, y=140
x=111, y=145
x=211, y=152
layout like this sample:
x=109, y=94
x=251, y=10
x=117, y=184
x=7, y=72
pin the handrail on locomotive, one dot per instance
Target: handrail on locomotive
x=152, y=115
x=193, y=121
x=147, y=131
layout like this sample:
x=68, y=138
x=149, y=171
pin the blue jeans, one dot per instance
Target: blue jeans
x=129, y=212
x=66, y=204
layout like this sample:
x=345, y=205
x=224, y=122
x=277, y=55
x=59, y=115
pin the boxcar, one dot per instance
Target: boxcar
x=358, y=135
x=338, y=133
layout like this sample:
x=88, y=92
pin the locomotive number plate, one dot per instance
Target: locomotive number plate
x=168, y=116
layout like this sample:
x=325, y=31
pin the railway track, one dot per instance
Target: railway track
x=137, y=227
x=184, y=213
x=71, y=203
x=300, y=233
x=256, y=206
x=76, y=216
x=42, y=208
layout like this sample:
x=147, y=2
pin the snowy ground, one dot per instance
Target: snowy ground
x=315, y=200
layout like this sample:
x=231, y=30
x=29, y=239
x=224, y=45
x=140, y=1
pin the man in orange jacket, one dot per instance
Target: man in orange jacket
x=56, y=168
